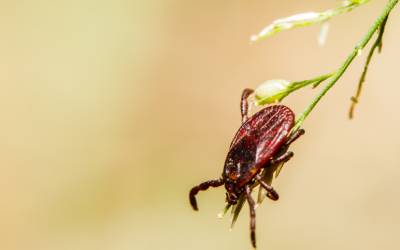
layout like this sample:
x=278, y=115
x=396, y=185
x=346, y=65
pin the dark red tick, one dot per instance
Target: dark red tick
x=262, y=141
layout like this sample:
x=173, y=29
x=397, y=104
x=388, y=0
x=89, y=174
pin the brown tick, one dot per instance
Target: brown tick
x=262, y=141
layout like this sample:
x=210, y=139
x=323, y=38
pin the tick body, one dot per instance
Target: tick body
x=261, y=141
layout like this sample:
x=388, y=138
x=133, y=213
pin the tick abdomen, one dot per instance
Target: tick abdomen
x=257, y=140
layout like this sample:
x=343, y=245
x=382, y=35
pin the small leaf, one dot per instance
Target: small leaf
x=221, y=214
x=278, y=169
x=268, y=175
x=236, y=210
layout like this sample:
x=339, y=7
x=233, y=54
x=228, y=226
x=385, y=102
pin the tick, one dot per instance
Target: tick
x=261, y=141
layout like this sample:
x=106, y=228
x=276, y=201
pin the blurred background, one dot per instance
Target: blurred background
x=112, y=110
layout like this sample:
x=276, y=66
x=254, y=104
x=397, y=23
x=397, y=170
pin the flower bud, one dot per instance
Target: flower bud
x=271, y=91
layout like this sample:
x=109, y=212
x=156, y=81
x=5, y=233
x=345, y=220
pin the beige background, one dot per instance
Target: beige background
x=112, y=110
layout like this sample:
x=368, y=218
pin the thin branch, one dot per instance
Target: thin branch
x=377, y=45
x=306, y=19
x=315, y=82
x=378, y=22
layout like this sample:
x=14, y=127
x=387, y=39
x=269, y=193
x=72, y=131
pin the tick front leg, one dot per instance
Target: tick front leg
x=282, y=158
x=294, y=136
x=271, y=193
x=252, y=206
x=203, y=186
x=244, y=105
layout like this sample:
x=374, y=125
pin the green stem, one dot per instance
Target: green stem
x=377, y=45
x=315, y=81
x=267, y=98
x=364, y=41
x=292, y=22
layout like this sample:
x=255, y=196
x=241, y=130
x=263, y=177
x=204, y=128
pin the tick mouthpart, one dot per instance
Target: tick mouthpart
x=231, y=198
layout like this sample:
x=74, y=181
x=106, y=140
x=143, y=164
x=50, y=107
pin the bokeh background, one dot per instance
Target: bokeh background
x=112, y=110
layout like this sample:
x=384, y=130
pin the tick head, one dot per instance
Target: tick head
x=231, y=196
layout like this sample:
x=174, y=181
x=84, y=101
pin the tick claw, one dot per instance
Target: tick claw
x=253, y=239
x=273, y=195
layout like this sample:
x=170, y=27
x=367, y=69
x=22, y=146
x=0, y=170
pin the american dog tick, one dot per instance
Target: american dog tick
x=262, y=141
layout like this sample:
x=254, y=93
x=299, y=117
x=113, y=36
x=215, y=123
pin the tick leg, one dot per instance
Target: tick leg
x=203, y=186
x=272, y=194
x=282, y=158
x=244, y=105
x=294, y=136
x=252, y=216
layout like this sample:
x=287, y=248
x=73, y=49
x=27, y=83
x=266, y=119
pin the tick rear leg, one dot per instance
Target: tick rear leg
x=244, y=105
x=203, y=186
x=271, y=193
x=282, y=158
x=252, y=207
x=294, y=136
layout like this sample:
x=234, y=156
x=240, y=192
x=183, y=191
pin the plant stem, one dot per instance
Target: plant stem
x=305, y=19
x=293, y=86
x=315, y=81
x=377, y=45
x=364, y=41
